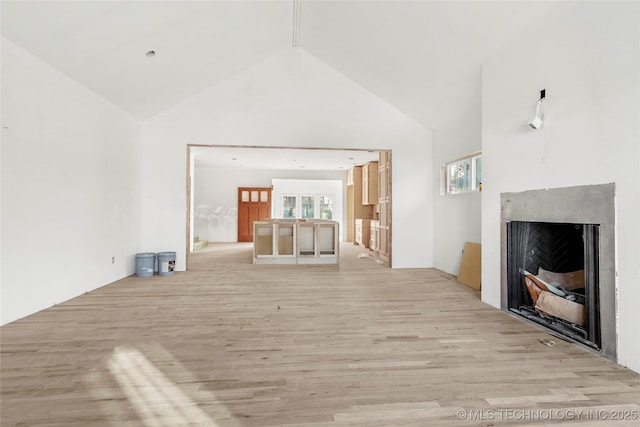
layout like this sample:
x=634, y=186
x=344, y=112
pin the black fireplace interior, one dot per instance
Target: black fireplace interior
x=539, y=247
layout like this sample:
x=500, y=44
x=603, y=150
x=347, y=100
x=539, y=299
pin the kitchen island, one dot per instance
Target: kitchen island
x=296, y=241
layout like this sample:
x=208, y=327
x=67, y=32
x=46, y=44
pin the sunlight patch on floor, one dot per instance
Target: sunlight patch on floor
x=158, y=401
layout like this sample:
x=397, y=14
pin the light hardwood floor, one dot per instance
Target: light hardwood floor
x=229, y=343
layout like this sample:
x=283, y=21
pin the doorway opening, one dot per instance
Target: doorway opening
x=236, y=166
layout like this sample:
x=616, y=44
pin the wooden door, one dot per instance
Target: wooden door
x=254, y=204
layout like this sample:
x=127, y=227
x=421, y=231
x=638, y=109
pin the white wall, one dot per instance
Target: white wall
x=289, y=100
x=457, y=216
x=70, y=187
x=312, y=187
x=216, y=196
x=587, y=57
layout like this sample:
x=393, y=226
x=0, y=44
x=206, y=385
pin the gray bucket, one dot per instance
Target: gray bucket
x=166, y=263
x=145, y=263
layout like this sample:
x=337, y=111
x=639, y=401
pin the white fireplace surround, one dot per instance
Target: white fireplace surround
x=590, y=204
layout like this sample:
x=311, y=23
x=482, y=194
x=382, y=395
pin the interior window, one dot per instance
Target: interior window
x=459, y=176
x=326, y=207
x=289, y=206
x=308, y=205
x=462, y=175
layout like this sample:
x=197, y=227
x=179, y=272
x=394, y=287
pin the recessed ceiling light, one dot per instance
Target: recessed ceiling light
x=234, y=158
x=151, y=53
x=350, y=158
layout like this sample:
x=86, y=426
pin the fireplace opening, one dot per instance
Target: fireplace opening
x=552, y=277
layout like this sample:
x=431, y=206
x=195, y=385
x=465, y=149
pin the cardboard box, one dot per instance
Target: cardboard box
x=470, y=271
x=533, y=288
x=554, y=305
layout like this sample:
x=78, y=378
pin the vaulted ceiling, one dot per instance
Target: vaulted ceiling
x=103, y=44
x=423, y=57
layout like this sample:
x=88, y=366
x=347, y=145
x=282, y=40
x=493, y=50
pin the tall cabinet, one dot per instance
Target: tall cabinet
x=355, y=208
x=383, y=235
x=370, y=183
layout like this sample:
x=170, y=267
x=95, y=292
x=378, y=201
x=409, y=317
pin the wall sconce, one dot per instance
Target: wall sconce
x=537, y=120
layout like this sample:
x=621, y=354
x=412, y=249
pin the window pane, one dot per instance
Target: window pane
x=460, y=176
x=326, y=207
x=479, y=173
x=254, y=196
x=264, y=196
x=245, y=196
x=288, y=206
x=307, y=206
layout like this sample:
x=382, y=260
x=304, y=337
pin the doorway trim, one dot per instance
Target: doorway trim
x=190, y=179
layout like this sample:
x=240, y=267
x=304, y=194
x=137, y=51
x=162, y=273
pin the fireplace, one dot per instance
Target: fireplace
x=558, y=262
x=560, y=259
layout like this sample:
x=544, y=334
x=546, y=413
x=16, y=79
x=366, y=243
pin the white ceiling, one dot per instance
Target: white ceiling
x=103, y=44
x=423, y=57
x=281, y=158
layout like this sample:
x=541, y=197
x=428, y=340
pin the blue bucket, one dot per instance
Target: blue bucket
x=145, y=262
x=166, y=263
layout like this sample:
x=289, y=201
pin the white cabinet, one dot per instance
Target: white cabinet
x=283, y=241
x=274, y=242
x=363, y=227
x=318, y=242
x=374, y=236
x=306, y=239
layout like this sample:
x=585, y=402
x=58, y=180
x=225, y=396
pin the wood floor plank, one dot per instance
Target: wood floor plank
x=229, y=343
